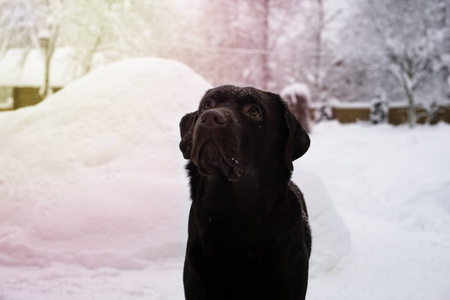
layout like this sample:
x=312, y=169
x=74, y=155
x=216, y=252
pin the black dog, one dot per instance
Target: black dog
x=249, y=236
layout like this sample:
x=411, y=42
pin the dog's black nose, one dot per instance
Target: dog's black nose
x=212, y=118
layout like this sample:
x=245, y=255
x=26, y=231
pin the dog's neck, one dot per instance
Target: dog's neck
x=241, y=214
x=252, y=193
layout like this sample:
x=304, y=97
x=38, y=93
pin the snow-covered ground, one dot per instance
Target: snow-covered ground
x=94, y=198
x=391, y=186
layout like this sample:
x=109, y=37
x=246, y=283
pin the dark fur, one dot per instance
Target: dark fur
x=249, y=236
x=300, y=108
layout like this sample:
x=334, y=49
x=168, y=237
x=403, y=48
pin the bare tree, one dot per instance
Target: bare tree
x=321, y=56
x=265, y=16
x=302, y=50
x=113, y=27
x=229, y=42
x=318, y=42
x=407, y=42
x=31, y=24
x=17, y=24
x=51, y=14
x=48, y=39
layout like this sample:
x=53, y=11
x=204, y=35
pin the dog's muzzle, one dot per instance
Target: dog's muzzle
x=214, y=145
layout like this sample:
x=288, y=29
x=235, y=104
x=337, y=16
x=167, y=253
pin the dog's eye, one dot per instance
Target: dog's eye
x=208, y=104
x=254, y=111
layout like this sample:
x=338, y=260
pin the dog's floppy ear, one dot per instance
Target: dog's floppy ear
x=298, y=140
x=187, y=124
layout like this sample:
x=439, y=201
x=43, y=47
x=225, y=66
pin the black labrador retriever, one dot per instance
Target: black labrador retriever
x=249, y=236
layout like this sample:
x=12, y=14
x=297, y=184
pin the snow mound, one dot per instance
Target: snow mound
x=93, y=176
x=331, y=238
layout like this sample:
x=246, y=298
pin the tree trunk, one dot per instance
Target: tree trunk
x=87, y=62
x=410, y=96
x=318, y=51
x=266, y=56
x=48, y=58
x=46, y=89
x=411, y=109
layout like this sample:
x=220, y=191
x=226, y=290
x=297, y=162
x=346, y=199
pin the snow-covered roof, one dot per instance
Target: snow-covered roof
x=25, y=67
x=355, y=105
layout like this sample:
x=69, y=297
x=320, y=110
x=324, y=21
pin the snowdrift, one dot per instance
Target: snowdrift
x=93, y=176
x=331, y=239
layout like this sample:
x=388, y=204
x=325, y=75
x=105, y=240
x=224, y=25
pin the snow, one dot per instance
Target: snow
x=339, y=104
x=25, y=67
x=93, y=175
x=296, y=89
x=7, y=104
x=391, y=185
x=95, y=202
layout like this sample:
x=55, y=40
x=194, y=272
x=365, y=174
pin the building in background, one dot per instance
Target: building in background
x=22, y=74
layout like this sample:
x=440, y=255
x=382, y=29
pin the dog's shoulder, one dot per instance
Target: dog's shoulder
x=301, y=200
x=295, y=189
x=297, y=193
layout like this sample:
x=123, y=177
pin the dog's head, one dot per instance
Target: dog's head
x=240, y=131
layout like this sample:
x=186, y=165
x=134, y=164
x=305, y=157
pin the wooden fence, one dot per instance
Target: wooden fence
x=396, y=115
